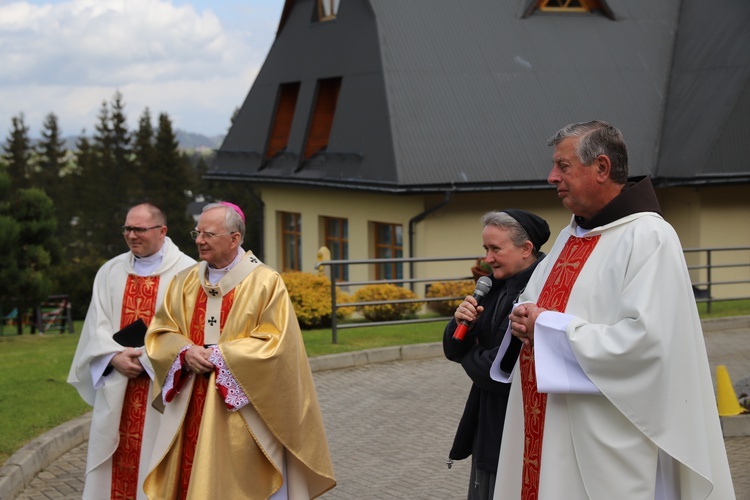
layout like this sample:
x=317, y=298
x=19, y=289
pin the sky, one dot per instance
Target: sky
x=192, y=59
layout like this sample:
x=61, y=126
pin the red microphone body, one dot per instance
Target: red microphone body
x=484, y=284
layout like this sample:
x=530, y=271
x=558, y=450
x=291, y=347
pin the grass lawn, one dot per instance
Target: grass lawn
x=34, y=395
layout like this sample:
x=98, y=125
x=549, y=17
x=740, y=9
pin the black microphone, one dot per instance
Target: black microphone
x=483, y=287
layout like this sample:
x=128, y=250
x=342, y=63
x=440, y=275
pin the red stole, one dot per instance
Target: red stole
x=192, y=423
x=138, y=301
x=554, y=296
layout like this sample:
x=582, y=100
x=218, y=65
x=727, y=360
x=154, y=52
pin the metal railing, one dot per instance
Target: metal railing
x=411, y=281
x=717, y=269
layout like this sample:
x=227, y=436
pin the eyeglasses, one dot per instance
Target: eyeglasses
x=137, y=230
x=206, y=235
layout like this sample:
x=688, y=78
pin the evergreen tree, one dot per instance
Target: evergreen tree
x=171, y=184
x=85, y=197
x=27, y=240
x=50, y=175
x=83, y=256
x=10, y=232
x=104, y=180
x=18, y=154
x=144, y=155
x=51, y=160
x=122, y=155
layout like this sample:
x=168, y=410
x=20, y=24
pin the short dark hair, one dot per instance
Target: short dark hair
x=156, y=213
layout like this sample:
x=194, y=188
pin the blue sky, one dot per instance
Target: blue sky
x=192, y=59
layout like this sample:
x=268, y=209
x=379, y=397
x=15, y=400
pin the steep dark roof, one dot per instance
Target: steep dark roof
x=436, y=95
x=706, y=133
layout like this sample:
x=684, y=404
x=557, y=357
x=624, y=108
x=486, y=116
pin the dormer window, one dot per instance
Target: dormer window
x=322, y=117
x=327, y=9
x=567, y=5
x=572, y=6
x=282, y=121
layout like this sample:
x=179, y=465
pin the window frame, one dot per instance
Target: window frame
x=293, y=236
x=396, y=248
x=341, y=251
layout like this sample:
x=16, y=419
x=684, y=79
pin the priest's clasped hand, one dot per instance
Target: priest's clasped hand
x=522, y=320
x=127, y=362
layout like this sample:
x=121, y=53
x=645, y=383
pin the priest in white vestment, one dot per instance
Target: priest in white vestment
x=112, y=377
x=241, y=415
x=612, y=395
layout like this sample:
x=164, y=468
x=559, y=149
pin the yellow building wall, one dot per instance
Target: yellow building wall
x=360, y=209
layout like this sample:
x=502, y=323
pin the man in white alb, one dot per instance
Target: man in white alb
x=612, y=395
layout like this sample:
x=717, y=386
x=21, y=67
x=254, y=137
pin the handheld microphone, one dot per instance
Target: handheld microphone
x=483, y=287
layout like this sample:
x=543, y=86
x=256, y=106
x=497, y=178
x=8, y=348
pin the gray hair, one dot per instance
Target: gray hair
x=597, y=138
x=232, y=223
x=501, y=220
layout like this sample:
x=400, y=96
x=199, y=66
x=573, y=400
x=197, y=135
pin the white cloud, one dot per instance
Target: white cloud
x=69, y=56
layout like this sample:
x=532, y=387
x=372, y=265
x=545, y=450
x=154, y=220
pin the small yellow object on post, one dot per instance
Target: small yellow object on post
x=726, y=398
x=324, y=254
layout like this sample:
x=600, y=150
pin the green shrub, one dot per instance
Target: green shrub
x=311, y=297
x=449, y=289
x=386, y=312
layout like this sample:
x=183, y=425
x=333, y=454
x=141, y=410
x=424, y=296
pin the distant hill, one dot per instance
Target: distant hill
x=190, y=140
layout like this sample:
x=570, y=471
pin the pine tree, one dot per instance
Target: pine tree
x=82, y=254
x=50, y=175
x=172, y=183
x=106, y=179
x=18, y=154
x=144, y=155
x=27, y=225
x=51, y=160
x=82, y=184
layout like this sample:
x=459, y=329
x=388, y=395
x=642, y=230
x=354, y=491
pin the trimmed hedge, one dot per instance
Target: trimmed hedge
x=311, y=297
x=386, y=312
x=449, y=289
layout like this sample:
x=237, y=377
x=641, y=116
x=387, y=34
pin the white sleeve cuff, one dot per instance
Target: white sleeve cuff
x=98, y=366
x=557, y=369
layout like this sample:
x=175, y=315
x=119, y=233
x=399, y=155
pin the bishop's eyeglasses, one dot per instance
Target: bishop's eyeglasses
x=206, y=235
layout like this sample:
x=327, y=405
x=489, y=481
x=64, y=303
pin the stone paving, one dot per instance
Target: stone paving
x=390, y=426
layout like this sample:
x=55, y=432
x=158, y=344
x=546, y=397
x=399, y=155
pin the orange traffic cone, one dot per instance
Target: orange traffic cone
x=726, y=398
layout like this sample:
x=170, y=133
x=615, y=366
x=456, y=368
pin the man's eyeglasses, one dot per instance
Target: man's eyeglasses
x=137, y=230
x=206, y=235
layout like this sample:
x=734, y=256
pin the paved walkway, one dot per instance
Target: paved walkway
x=390, y=424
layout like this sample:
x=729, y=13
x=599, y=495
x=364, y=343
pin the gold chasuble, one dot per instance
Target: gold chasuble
x=554, y=297
x=200, y=388
x=206, y=448
x=139, y=301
